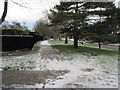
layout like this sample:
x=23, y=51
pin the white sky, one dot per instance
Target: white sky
x=28, y=15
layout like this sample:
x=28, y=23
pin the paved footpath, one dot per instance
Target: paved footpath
x=48, y=52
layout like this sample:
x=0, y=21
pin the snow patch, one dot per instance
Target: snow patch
x=45, y=43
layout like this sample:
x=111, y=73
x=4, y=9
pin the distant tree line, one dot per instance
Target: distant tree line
x=14, y=28
x=14, y=24
x=43, y=28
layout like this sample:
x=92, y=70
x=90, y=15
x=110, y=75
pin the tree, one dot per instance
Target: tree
x=42, y=28
x=99, y=32
x=106, y=24
x=14, y=28
x=14, y=24
x=71, y=15
x=4, y=12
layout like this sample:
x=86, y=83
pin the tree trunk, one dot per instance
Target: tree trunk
x=99, y=44
x=75, y=42
x=75, y=38
x=60, y=38
x=66, y=39
x=119, y=54
x=75, y=31
x=5, y=11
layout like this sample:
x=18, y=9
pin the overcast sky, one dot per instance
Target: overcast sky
x=35, y=11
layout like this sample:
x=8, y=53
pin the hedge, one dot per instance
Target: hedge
x=14, y=31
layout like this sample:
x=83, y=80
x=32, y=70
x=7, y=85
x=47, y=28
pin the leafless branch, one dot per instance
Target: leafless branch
x=4, y=12
x=23, y=2
x=20, y=4
x=23, y=5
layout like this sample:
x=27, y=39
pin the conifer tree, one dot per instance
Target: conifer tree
x=107, y=23
x=71, y=15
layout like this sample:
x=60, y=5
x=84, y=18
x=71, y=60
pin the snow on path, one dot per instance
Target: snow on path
x=77, y=66
x=45, y=43
x=77, y=76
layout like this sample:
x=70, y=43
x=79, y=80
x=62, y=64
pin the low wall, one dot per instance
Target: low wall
x=16, y=42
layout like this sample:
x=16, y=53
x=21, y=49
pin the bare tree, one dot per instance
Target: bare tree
x=4, y=12
x=42, y=28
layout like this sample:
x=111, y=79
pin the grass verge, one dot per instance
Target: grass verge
x=108, y=59
x=68, y=49
x=36, y=46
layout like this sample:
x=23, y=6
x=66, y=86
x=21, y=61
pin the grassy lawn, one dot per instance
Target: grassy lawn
x=57, y=42
x=36, y=46
x=68, y=48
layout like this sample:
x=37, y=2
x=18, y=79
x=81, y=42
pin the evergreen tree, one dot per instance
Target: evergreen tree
x=71, y=15
x=107, y=23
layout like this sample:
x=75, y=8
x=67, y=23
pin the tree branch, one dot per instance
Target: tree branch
x=4, y=12
x=19, y=4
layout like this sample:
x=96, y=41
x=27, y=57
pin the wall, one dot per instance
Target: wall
x=16, y=42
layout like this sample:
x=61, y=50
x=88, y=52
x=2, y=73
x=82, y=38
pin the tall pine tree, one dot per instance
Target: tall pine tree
x=71, y=15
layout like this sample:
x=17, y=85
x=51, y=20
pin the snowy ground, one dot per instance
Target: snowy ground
x=78, y=71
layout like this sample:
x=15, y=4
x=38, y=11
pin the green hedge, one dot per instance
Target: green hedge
x=14, y=31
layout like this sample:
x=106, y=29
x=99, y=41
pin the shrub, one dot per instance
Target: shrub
x=14, y=31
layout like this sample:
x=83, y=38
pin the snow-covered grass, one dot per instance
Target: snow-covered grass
x=36, y=46
x=24, y=62
x=86, y=67
x=90, y=67
x=107, y=59
x=117, y=44
x=20, y=59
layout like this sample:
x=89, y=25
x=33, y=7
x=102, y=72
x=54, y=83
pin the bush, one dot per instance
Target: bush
x=113, y=39
x=14, y=31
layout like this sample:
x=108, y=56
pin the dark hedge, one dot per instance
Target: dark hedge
x=14, y=31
